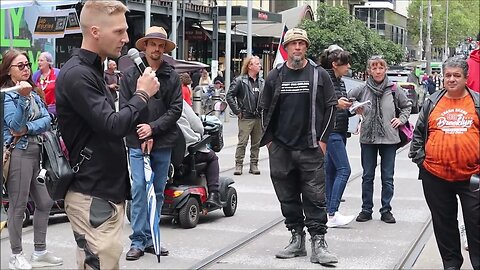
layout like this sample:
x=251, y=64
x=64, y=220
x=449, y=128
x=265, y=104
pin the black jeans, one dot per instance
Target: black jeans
x=441, y=197
x=213, y=169
x=299, y=181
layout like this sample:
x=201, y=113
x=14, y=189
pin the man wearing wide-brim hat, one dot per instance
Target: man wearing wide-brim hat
x=158, y=33
x=158, y=125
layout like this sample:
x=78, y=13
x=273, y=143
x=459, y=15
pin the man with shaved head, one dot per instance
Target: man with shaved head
x=93, y=133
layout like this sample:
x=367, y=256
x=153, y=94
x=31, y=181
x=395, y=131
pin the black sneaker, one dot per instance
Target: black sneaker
x=364, y=216
x=387, y=217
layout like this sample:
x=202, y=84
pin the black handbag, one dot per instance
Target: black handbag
x=56, y=171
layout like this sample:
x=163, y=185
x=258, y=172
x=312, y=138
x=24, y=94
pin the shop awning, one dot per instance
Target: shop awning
x=6, y=4
x=239, y=14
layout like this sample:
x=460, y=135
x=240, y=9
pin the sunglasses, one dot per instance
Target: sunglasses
x=21, y=66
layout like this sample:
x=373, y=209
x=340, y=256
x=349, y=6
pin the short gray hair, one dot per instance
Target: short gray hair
x=456, y=62
x=48, y=57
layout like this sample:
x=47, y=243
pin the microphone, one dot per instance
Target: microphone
x=10, y=89
x=135, y=56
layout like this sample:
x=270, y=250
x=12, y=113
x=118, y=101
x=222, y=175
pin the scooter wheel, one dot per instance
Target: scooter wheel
x=232, y=199
x=189, y=214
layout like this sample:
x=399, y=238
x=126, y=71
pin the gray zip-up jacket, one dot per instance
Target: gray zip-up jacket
x=322, y=105
x=362, y=93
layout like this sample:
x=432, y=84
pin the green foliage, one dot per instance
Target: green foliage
x=463, y=21
x=335, y=26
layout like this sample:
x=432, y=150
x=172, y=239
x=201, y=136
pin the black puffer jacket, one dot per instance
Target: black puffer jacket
x=341, y=116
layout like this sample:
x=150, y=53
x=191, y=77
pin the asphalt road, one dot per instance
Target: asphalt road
x=373, y=245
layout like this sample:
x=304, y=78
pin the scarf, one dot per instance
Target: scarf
x=374, y=123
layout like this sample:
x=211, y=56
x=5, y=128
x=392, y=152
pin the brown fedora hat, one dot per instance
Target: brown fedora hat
x=155, y=32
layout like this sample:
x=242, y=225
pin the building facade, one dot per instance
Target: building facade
x=381, y=17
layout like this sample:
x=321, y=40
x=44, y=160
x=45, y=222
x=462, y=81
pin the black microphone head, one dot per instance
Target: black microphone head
x=133, y=53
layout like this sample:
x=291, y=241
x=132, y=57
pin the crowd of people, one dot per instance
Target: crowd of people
x=308, y=159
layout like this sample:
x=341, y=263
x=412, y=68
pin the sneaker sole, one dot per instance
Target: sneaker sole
x=44, y=264
x=301, y=254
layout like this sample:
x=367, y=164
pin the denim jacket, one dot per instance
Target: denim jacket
x=16, y=118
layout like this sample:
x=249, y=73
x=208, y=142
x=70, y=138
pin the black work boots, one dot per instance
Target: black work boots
x=296, y=248
x=320, y=253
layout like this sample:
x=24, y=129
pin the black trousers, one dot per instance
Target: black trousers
x=299, y=181
x=213, y=169
x=441, y=197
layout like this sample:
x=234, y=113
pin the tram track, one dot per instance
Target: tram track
x=407, y=260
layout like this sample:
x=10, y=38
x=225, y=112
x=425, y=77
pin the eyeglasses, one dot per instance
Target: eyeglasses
x=21, y=66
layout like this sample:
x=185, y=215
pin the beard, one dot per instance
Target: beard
x=297, y=62
x=156, y=56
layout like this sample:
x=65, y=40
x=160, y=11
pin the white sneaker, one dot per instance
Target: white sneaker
x=339, y=220
x=463, y=235
x=45, y=260
x=18, y=261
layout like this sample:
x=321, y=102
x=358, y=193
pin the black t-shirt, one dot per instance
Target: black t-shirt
x=293, y=110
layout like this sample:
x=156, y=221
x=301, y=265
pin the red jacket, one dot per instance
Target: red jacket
x=473, y=80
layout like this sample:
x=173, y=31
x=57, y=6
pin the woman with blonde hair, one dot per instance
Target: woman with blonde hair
x=204, y=79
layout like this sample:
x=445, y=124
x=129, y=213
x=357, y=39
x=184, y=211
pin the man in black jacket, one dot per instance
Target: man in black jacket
x=243, y=97
x=298, y=104
x=158, y=123
x=87, y=120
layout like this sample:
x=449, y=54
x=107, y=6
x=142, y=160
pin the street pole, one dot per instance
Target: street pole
x=445, y=50
x=174, y=27
x=249, y=28
x=420, y=42
x=148, y=12
x=428, y=47
x=228, y=53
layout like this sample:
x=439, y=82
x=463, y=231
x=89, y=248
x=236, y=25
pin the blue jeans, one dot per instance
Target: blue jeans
x=337, y=170
x=387, y=165
x=160, y=161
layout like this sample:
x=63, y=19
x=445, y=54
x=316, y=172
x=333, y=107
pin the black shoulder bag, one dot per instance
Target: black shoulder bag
x=56, y=172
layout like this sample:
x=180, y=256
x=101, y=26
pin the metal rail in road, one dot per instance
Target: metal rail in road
x=406, y=262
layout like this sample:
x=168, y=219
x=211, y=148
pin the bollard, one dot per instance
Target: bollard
x=215, y=99
x=197, y=100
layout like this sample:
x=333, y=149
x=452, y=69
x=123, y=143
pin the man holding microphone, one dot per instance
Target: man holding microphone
x=93, y=132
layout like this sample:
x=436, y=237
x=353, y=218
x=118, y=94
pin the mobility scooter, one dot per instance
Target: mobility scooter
x=186, y=192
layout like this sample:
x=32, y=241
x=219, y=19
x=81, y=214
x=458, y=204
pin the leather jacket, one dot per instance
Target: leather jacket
x=241, y=98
